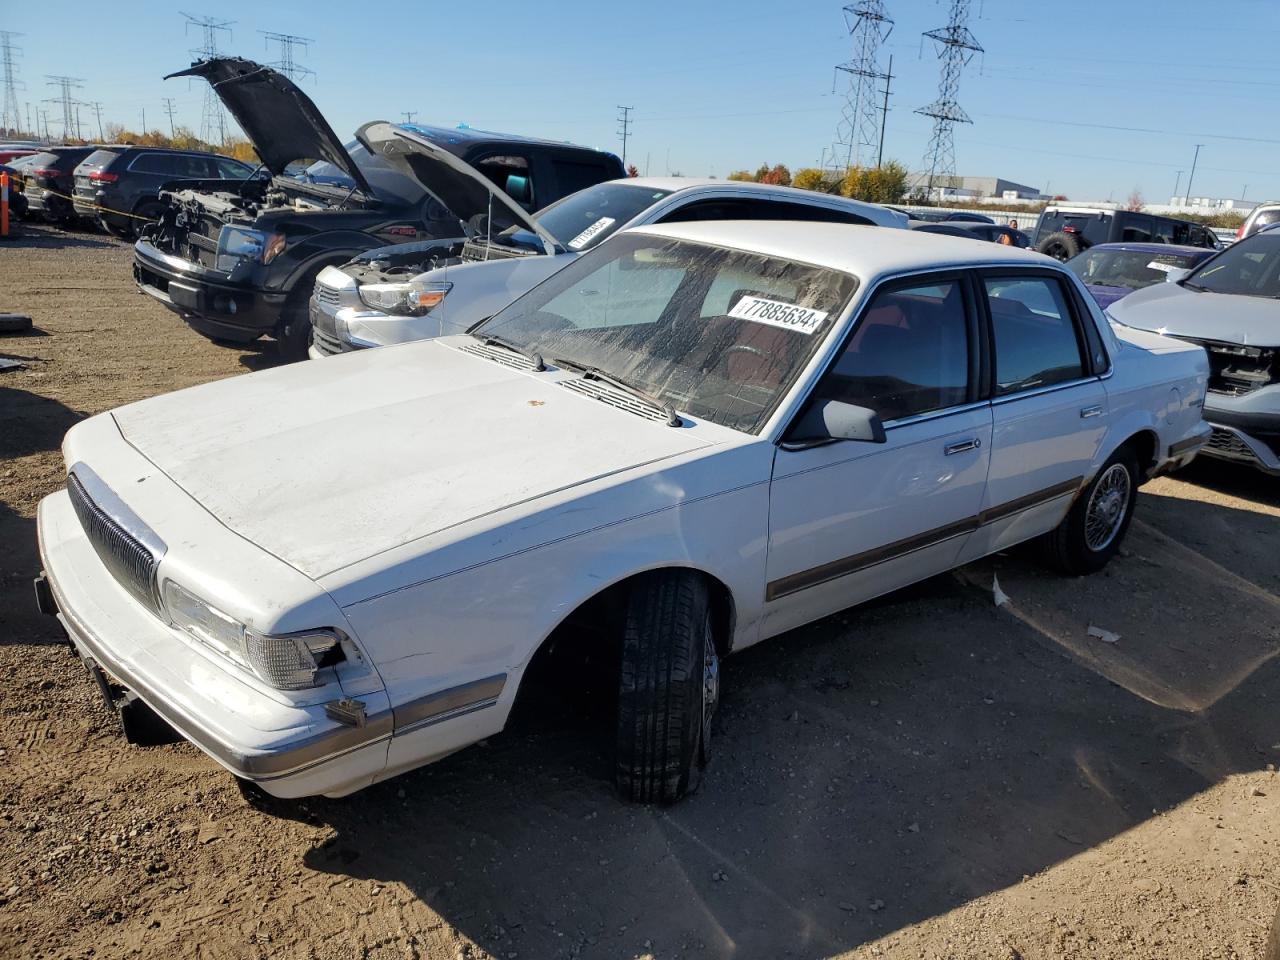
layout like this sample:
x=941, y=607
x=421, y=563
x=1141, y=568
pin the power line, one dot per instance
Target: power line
x=213, y=122
x=288, y=64
x=955, y=45
x=9, y=115
x=624, y=118
x=869, y=26
x=65, y=87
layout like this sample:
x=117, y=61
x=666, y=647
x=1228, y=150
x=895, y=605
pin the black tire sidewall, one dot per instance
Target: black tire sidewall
x=1069, y=244
x=1075, y=550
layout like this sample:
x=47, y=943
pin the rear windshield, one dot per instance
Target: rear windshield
x=584, y=219
x=1128, y=268
x=1094, y=227
x=42, y=159
x=1249, y=267
x=98, y=159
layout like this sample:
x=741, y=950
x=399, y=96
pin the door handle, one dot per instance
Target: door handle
x=1094, y=411
x=960, y=446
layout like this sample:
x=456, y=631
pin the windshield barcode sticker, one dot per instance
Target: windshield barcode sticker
x=785, y=315
x=589, y=234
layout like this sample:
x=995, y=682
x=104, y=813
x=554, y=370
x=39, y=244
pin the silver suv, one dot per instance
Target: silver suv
x=1263, y=215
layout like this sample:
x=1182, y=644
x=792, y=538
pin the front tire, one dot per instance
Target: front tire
x=1061, y=246
x=668, y=687
x=1092, y=531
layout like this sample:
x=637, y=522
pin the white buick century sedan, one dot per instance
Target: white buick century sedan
x=690, y=439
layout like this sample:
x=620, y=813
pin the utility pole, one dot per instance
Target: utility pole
x=1244, y=191
x=30, y=128
x=1192, y=175
x=287, y=64
x=169, y=108
x=408, y=115
x=1176, y=183
x=9, y=115
x=144, y=121
x=884, y=112
x=78, y=137
x=97, y=111
x=624, y=118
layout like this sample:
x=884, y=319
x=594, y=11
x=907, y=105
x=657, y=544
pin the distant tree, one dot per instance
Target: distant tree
x=1135, y=203
x=633, y=170
x=851, y=183
x=807, y=178
x=1059, y=196
x=743, y=175
x=777, y=175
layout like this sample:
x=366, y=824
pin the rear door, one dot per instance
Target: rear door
x=852, y=520
x=1048, y=403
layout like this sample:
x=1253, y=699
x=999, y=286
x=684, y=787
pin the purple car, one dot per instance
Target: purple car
x=1112, y=270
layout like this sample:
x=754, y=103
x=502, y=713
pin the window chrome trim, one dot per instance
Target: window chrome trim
x=935, y=415
x=1051, y=388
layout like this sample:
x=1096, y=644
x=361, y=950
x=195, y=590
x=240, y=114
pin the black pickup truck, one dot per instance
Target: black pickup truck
x=237, y=260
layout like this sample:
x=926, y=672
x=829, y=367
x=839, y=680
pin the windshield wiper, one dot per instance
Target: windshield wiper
x=595, y=373
x=492, y=340
x=1196, y=286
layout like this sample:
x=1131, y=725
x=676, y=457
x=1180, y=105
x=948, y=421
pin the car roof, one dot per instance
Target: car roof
x=883, y=215
x=1133, y=247
x=860, y=250
x=459, y=136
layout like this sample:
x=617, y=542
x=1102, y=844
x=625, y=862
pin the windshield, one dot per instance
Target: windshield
x=719, y=334
x=1128, y=268
x=387, y=182
x=584, y=219
x=1249, y=267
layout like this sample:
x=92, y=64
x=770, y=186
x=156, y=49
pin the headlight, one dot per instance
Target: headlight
x=239, y=243
x=286, y=663
x=411, y=299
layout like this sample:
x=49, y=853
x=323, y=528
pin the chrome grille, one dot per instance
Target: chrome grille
x=131, y=563
x=620, y=400
x=328, y=345
x=504, y=357
x=1228, y=444
x=327, y=295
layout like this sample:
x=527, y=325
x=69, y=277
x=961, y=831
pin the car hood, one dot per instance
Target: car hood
x=1106, y=294
x=459, y=186
x=281, y=121
x=1173, y=309
x=328, y=463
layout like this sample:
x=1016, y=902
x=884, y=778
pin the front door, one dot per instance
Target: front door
x=851, y=520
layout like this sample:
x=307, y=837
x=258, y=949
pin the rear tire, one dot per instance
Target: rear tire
x=1092, y=531
x=668, y=687
x=1061, y=246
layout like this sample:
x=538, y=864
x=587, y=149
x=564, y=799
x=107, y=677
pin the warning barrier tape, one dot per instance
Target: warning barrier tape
x=85, y=203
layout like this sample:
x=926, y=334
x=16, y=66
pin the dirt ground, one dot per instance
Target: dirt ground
x=929, y=776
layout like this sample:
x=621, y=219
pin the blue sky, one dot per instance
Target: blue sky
x=1091, y=98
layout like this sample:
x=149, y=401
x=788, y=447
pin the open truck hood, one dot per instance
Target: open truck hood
x=281, y=121
x=454, y=182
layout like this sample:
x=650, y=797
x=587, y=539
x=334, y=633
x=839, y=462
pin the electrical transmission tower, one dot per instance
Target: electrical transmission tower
x=859, y=126
x=213, y=122
x=955, y=46
x=65, y=97
x=287, y=64
x=624, y=129
x=9, y=115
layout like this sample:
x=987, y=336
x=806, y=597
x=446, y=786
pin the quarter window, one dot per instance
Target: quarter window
x=908, y=355
x=1036, y=341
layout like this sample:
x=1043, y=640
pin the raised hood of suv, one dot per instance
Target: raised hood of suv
x=459, y=186
x=327, y=463
x=281, y=121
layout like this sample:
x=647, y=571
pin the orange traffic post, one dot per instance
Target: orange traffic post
x=4, y=204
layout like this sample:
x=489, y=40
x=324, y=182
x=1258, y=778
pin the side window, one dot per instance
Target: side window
x=575, y=175
x=630, y=290
x=784, y=210
x=717, y=208
x=1138, y=230
x=157, y=163
x=230, y=170
x=512, y=175
x=1036, y=341
x=908, y=355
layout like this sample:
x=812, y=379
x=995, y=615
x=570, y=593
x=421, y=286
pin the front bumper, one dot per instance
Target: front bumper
x=1232, y=443
x=290, y=750
x=214, y=304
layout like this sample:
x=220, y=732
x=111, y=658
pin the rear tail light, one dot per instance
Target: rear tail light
x=98, y=176
x=1240, y=232
x=44, y=172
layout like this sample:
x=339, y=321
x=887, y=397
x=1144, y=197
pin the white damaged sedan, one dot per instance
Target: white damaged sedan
x=692, y=438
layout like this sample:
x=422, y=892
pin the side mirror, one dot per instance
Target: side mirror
x=828, y=420
x=1176, y=274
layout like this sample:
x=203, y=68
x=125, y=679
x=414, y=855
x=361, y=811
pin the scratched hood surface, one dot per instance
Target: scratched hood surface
x=328, y=462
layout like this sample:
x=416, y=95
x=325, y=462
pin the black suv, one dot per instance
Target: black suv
x=238, y=261
x=119, y=186
x=48, y=181
x=1062, y=232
